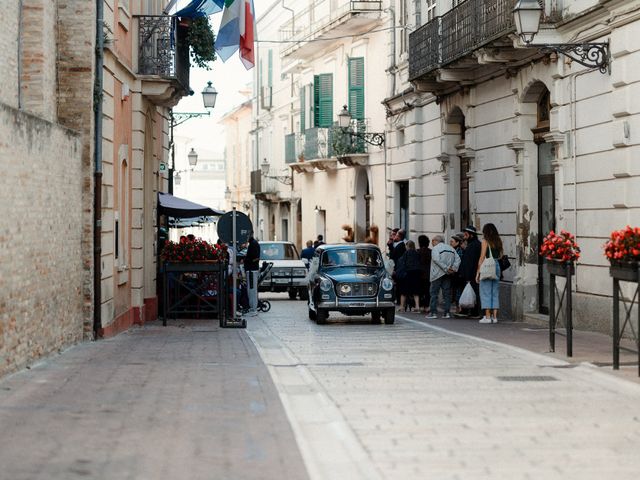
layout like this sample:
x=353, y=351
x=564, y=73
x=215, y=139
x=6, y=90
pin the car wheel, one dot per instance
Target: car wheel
x=390, y=316
x=303, y=293
x=375, y=316
x=264, y=305
x=292, y=293
x=321, y=316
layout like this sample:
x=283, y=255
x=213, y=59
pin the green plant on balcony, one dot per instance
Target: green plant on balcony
x=201, y=41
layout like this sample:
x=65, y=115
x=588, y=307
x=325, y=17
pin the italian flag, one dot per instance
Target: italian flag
x=237, y=32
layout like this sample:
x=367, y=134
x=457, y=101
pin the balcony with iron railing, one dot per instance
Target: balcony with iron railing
x=326, y=20
x=163, y=59
x=471, y=25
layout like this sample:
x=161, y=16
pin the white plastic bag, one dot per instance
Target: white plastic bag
x=468, y=297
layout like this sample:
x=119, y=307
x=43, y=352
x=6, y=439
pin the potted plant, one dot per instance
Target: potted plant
x=201, y=40
x=562, y=251
x=193, y=251
x=623, y=252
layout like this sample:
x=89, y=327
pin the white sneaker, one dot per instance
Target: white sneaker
x=446, y=315
x=494, y=320
x=432, y=315
x=485, y=320
x=251, y=313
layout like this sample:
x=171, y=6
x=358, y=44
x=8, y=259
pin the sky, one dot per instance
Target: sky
x=204, y=133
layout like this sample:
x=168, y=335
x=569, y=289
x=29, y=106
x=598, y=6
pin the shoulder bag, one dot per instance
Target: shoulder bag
x=488, y=267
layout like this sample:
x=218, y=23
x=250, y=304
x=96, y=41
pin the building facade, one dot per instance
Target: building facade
x=46, y=167
x=529, y=140
x=88, y=87
x=478, y=128
x=310, y=177
x=238, y=160
x=146, y=72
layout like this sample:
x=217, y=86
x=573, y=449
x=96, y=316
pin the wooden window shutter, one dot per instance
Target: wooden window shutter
x=303, y=109
x=323, y=100
x=356, y=88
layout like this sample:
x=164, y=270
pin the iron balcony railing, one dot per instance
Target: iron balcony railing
x=318, y=143
x=163, y=49
x=321, y=14
x=463, y=29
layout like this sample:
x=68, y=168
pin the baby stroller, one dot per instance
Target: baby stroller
x=243, y=298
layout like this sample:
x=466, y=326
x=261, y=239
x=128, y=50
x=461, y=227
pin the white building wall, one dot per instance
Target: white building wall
x=593, y=126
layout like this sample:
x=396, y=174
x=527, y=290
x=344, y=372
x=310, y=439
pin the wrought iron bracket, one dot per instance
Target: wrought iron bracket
x=591, y=55
x=285, y=179
x=372, y=138
x=181, y=117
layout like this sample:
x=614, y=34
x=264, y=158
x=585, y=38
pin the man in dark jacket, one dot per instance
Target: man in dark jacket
x=469, y=266
x=251, y=269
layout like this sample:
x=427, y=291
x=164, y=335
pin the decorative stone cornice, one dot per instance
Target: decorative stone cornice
x=324, y=163
x=355, y=160
x=301, y=167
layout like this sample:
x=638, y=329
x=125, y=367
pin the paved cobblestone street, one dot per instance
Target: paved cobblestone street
x=412, y=401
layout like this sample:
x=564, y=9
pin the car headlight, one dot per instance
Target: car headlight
x=387, y=284
x=345, y=289
x=325, y=285
x=299, y=272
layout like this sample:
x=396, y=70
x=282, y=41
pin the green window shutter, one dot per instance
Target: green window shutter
x=356, y=88
x=323, y=100
x=270, y=70
x=303, y=108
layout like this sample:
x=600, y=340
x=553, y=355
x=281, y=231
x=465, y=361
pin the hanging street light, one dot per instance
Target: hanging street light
x=526, y=16
x=193, y=157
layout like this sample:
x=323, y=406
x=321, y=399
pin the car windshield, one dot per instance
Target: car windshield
x=354, y=257
x=278, y=251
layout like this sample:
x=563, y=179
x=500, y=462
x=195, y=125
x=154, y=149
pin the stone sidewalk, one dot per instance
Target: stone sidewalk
x=188, y=401
x=589, y=348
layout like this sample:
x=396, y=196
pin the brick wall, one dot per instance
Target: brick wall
x=9, y=54
x=41, y=267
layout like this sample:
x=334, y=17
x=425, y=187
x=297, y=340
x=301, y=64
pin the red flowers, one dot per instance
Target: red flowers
x=624, y=245
x=561, y=247
x=193, y=251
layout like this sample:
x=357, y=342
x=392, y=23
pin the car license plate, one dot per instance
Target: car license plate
x=281, y=280
x=356, y=304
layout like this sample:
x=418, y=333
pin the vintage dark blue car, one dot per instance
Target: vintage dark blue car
x=350, y=279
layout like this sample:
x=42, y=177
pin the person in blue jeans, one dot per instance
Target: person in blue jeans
x=444, y=262
x=490, y=288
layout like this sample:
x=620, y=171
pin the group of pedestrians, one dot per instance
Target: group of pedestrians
x=423, y=274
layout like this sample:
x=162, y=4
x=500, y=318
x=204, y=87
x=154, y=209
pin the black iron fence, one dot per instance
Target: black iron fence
x=463, y=29
x=163, y=49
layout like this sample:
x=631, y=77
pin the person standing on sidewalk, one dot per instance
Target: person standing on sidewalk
x=469, y=267
x=425, y=264
x=444, y=262
x=490, y=288
x=251, y=268
x=408, y=273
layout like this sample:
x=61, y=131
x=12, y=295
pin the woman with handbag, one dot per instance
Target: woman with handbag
x=488, y=274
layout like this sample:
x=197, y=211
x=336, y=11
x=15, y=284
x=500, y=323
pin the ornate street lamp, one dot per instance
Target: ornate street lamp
x=209, y=95
x=526, y=16
x=193, y=157
x=344, y=122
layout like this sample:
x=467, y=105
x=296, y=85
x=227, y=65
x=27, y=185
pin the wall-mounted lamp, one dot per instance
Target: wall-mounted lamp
x=526, y=15
x=264, y=169
x=344, y=122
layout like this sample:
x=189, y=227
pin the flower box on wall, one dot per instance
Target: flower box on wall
x=626, y=271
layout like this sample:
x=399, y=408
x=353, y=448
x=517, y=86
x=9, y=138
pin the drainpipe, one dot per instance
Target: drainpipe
x=20, y=55
x=97, y=194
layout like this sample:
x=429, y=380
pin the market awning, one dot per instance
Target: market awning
x=180, y=208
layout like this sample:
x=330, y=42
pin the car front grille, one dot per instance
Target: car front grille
x=352, y=289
